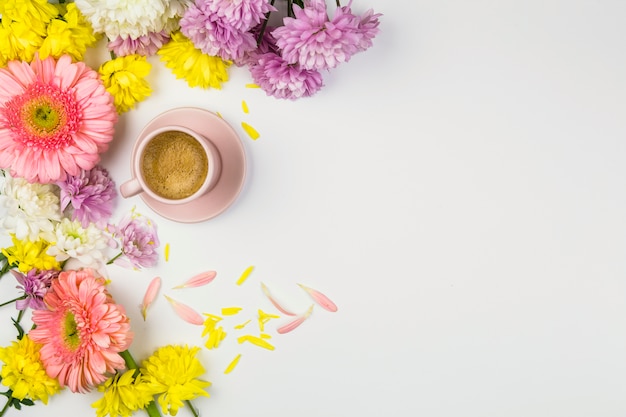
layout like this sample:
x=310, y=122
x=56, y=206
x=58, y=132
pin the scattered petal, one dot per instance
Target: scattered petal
x=255, y=341
x=219, y=115
x=232, y=365
x=252, y=85
x=254, y=135
x=264, y=318
x=320, y=299
x=199, y=280
x=185, y=312
x=230, y=311
x=150, y=295
x=242, y=325
x=244, y=106
x=295, y=323
x=167, y=252
x=245, y=275
x=209, y=323
x=265, y=336
x=276, y=304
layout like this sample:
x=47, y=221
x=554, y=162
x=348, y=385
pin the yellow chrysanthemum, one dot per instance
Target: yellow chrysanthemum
x=29, y=11
x=124, y=78
x=69, y=33
x=24, y=373
x=188, y=62
x=173, y=372
x=123, y=395
x=29, y=255
x=20, y=40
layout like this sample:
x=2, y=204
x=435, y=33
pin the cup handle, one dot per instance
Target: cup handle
x=130, y=188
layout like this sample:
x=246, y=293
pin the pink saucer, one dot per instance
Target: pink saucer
x=233, y=156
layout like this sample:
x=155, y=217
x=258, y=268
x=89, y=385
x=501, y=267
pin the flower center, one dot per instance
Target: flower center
x=44, y=116
x=70, y=331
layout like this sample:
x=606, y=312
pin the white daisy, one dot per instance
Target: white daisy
x=28, y=210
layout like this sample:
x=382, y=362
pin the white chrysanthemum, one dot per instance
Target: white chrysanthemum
x=131, y=18
x=28, y=210
x=72, y=241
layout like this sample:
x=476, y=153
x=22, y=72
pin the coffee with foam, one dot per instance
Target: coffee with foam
x=174, y=165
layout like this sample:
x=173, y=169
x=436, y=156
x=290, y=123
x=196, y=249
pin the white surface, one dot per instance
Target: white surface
x=459, y=190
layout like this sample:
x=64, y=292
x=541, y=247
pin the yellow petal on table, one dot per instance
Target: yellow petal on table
x=232, y=364
x=167, y=252
x=242, y=325
x=255, y=341
x=185, y=312
x=264, y=318
x=245, y=275
x=230, y=311
x=244, y=106
x=253, y=86
x=254, y=135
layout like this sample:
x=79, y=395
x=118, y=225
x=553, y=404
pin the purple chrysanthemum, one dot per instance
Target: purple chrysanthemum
x=89, y=196
x=213, y=35
x=139, y=241
x=282, y=80
x=316, y=42
x=35, y=285
x=367, y=29
x=146, y=45
x=242, y=15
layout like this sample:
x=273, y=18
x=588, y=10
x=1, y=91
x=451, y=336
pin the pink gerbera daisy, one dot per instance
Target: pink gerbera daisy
x=82, y=331
x=55, y=118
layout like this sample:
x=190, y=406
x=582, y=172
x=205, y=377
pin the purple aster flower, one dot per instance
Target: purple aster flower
x=139, y=241
x=89, y=196
x=35, y=285
x=242, y=15
x=213, y=35
x=282, y=80
x=146, y=45
x=314, y=41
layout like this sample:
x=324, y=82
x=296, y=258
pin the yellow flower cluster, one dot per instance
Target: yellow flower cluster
x=124, y=77
x=24, y=373
x=27, y=255
x=188, y=62
x=171, y=373
x=31, y=26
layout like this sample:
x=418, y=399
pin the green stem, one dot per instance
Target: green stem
x=6, y=406
x=262, y=31
x=114, y=258
x=193, y=410
x=14, y=300
x=290, y=8
x=151, y=408
x=338, y=3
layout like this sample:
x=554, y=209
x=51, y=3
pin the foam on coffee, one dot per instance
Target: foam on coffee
x=174, y=165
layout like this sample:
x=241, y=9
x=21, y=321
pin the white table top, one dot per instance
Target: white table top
x=459, y=190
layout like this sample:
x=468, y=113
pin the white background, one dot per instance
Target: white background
x=459, y=190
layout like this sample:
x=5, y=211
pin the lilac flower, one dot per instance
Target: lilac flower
x=146, y=45
x=35, y=285
x=139, y=241
x=315, y=42
x=213, y=35
x=242, y=15
x=89, y=196
x=282, y=80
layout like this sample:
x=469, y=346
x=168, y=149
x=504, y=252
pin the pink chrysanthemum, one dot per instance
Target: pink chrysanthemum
x=139, y=241
x=55, y=118
x=314, y=41
x=35, y=285
x=242, y=15
x=145, y=45
x=82, y=332
x=282, y=80
x=213, y=35
x=89, y=196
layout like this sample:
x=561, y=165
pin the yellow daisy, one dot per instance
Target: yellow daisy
x=23, y=372
x=29, y=255
x=173, y=373
x=188, y=62
x=124, y=78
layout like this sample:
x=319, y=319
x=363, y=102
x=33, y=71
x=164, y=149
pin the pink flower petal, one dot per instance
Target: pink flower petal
x=320, y=299
x=199, y=280
x=151, y=293
x=295, y=322
x=185, y=312
x=276, y=304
